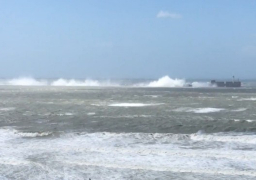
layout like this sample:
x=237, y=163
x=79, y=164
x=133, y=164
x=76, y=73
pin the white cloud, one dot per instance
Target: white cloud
x=166, y=14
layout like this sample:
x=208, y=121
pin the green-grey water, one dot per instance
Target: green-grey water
x=127, y=133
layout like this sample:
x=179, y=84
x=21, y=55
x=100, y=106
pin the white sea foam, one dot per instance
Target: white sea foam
x=247, y=99
x=127, y=116
x=65, y=114
x=125, y=151
x=7, y=134
x=23, y=81
x=205, y=110
x=72, y=82
x=198, y=110
x=91, y=113
x=34, y=134
x=132, y=104
x=87, y=82
x=249, y=120
x=182, y=109
x=28, y=81
x=166, y=81
x=225, y=137
x=239, y=110
x=153, y=96
x=234, y=97
x=7, y=109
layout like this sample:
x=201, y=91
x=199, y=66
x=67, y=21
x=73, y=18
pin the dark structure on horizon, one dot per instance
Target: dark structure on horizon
x=234, y=83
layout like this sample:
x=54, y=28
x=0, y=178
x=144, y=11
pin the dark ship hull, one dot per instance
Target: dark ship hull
x=226, y=83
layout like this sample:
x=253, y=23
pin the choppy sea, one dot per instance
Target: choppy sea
x=127, y=132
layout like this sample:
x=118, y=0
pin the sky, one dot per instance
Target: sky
x=128, y=39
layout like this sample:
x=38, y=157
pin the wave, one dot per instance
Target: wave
x=7, y=109
x=164, y=81
x=29, y=81
x=8, y=133
x=199, y=110
x=225, y=137
x=239, y=110
x=65, y=114
x=247, y=99
x=87, y=82
x=132, y=104
x=24, y=81
x=217, y=154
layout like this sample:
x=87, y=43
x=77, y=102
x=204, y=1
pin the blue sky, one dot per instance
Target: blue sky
x=128, y=39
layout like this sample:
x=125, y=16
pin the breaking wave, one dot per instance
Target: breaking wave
x=28, y=81
x=199, y=110
x=164, y=81
x=247, y=99
x=132, y=104
x=217, y=154
x=24, y=81
x=205, y=110
x=87, y=82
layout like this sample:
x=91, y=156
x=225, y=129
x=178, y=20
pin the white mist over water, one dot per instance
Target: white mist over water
x=28, y=81
x=87, y=82
x=165, y=81
x=24, y=81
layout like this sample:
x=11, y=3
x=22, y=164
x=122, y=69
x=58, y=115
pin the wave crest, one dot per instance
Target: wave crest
x=72, y=82
x=24, y=81
x=164, y=81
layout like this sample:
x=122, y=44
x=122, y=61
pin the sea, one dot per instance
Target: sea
x=67, y=129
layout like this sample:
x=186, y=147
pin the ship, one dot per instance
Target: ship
x=234, y=83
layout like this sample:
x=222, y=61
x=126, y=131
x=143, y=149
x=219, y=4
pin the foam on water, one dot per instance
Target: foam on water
x=225, y=137
x=7, y=134
x=239, y=110
x=206, y=110
x=132, y=104
x=89, y=152
x=247, y=99
x=128, y=116
x=65, y=114
x=249, y=120
x=153, y=96
x=91, y=113
x=7, y=108
x=199, y=110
